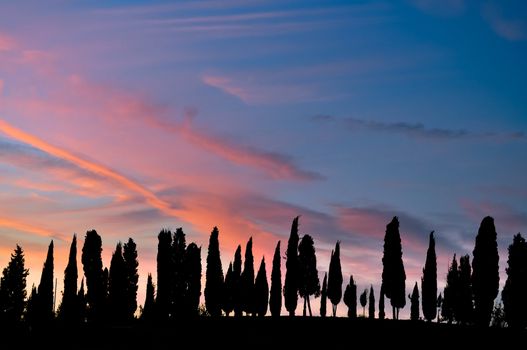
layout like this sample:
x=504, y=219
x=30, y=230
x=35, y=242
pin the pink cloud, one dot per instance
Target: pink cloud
x=7, y=43
x=2, y=84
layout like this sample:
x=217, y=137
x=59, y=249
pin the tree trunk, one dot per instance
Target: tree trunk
x=393, y=312
x=334, y=309
x=292, y=313
x=305, y=302
x=309, y=307
x=397, y=313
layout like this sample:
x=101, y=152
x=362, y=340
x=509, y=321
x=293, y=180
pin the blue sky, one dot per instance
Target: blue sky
x=130, y=116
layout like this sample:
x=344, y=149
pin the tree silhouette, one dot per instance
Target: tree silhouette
x=228, y=297
x=414, y=301
x=371, y=303
x=44, y=300
x=148, y=311
x=464, y=309
x=236, y=282
x=70, y=305
x=292, y=273
x=117, y=286
x=81, y=298
x=514, y=294
x=439, y=306
x=178, y=285
x=393, y=275
x=132, y=277
x=363, y=300
x=214, y=276
x=247, y=279
x=275, y=299
x=95, y=283
x=485, y=271
x=451, y=292
x=31, y=307
x=261, y=291
x=381, y=305
x=324, y=296
x=309, y=283
x=192, y=277
x=165, y=270
x=429, y=281
x=335, y=278
x=350, y=298
x=13, y=288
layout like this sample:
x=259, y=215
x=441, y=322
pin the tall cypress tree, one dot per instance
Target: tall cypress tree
x=165, y=270
x=309, y=283
x=261, y=291
x=335, y=279
x=350, y=298
x=236, y=282
x=514, y=293
x=393, y=275
x=381, y=305
x=13, y=288
x=228, y=297
x=429, y=281
x=193, y=279
x=324, y=296
x=70, y=307
x=92, y=265
x=414, y=301
x=485, y=271
x=291, y=274
x=81, y=299
x=275, y=299
x=45, y=289
x=148, y=310
x=117, y=286
x=363, y=300
x=178, y=286
x=451, y=292
x=465, y=308
x=31, y=307
x=214, y=276
x=132, y=277
x=371, y=303
x=247, y=279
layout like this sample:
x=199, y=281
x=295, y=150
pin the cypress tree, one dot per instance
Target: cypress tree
x=514, y=294
x=350, y=298
x=179, y=285
x=147, y=313
x=485, y=271
x=44, y=304
x=324, y=296
x=335, y=279
x=132, y=277
x=13, y=288
x=92, y=265
x=414, y=301
x=371, y=303
x=165, y=270
x=291, y=274
x=214, y=276
x=192, y=269
x=117, y=286
x=70, y=307
x=451, y=292
x=261, y=291
x=81, y=298
x=429, y=281
x=236, y=282
x=381, y=305
x=393, y=275
x=465, y=308
x=363, y=300
x=309, y=283
x=31, y=307
x=247, y=279
x=275, y=299
x=228, y=301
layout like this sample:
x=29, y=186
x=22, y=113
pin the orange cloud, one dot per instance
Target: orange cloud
x=20, y=226
x=93, y=167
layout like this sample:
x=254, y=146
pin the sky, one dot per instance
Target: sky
x=132, y=116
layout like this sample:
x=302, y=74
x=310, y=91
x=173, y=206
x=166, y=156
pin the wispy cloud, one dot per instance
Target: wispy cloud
x=512, y=27
x=419, y=130
x=441, y=7
x=7, y=43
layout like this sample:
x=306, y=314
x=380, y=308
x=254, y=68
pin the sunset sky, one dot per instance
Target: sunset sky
x=131, y=116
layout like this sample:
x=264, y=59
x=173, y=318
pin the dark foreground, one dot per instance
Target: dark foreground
x=250, y=333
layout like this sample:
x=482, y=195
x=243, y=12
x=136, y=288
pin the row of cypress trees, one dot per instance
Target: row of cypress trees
x=111, y=295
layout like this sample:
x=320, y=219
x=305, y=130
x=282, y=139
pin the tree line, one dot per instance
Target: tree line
x=110, y=295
